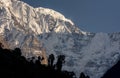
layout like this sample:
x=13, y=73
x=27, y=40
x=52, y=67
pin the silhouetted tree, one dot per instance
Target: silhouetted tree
x=87, y=77
x=82, y=75
x=39, y=60
x=51, y=60
x=60, y=61
x=17, y=52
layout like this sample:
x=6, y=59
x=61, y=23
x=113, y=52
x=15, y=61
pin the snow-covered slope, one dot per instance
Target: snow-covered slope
x=32, y=29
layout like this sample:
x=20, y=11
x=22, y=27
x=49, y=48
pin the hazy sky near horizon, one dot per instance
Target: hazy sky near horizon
x=89, y=15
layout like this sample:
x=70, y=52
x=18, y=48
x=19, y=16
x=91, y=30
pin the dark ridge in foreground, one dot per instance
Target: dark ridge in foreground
x=114, y=72
x=13, y=65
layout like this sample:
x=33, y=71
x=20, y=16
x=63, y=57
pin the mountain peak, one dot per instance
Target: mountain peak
x=7, y=2
x=53, y=13
x=31, y=19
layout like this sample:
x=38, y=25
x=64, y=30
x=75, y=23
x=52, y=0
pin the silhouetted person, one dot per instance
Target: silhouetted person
x=60, y=61
x=51, y=60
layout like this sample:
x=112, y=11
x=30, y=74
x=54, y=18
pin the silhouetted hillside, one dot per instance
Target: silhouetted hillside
x=14, y=65
x=114, y=72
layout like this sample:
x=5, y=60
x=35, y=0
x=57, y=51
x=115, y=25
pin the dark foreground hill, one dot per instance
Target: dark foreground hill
x=14, y=65
x=114, y=72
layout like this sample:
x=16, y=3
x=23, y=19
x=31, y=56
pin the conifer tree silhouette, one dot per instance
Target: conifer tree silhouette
x=51, y=60
x=82, y=75
x=60, y=61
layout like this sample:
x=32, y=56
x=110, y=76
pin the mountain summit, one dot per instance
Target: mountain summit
x=35, y=29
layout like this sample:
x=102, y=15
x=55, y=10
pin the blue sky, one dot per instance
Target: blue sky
x=89, y=15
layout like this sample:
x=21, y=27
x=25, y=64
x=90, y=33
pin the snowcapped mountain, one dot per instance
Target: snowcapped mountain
x=33, y=29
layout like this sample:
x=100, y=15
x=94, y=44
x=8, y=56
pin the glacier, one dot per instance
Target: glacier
x=33, y=29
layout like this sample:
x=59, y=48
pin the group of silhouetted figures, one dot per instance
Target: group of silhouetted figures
x=14, y=65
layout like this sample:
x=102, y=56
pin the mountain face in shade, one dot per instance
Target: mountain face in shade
x=35, y=29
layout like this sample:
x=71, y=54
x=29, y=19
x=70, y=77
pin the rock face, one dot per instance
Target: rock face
x=4, y=43
x=33, y=29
